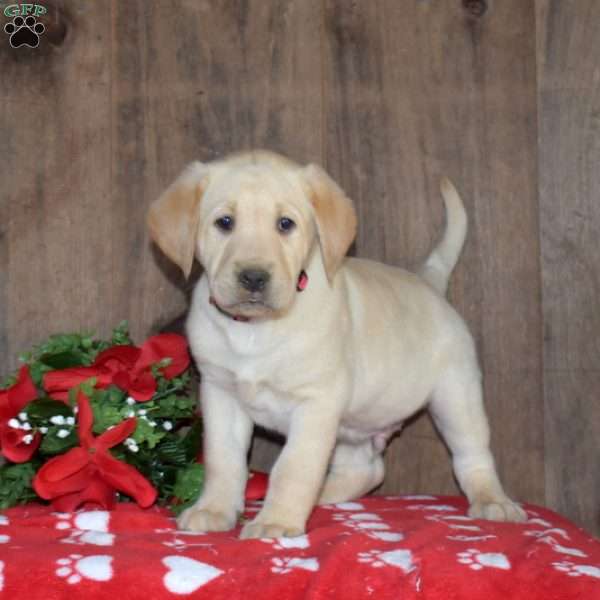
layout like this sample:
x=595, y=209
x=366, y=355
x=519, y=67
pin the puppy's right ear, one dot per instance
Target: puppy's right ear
x=174, y=219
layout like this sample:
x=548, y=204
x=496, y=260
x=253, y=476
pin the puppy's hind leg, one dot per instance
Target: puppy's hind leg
x=457, y=409
x=354, y=470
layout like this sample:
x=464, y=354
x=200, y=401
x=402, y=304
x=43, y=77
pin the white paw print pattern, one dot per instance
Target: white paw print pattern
x=369, y=523
x=88, y=527
x=361, y=521
x=478, y=560
x=4, y=520
x=461, y=523
x=179, y=544
x=286, y=564
x=285, y=543
x=401, y=559
x=574, y=570
x=344, y=506
x=76, y=567
x=4, y=539
x=1, y=575
x=433, y=507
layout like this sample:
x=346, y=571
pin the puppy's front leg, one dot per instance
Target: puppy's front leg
x=227, y=435
x=297, y=476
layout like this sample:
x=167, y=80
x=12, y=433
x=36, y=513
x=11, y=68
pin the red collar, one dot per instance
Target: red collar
x=300, y=287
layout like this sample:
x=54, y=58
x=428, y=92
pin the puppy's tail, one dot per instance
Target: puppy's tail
x=437, y=268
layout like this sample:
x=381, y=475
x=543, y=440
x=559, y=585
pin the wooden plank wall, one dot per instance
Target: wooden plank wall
x=388, y=96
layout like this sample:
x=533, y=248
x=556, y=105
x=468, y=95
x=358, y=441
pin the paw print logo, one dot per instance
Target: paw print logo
x=24, y=31
x=401, y=559
x=76, y=567
x=574, y=570
x=478, y=560
x=286, y=564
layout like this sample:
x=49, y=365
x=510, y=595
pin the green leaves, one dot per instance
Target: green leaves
x=188, y=486
x=15, y=484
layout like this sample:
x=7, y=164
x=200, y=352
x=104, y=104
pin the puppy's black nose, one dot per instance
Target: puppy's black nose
x=254, y=280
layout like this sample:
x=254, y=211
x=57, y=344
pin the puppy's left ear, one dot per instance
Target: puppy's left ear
x=174, y=219
x=335, y=216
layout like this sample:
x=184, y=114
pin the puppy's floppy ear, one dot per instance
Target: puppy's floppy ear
x=174, y=218
x=335, y=216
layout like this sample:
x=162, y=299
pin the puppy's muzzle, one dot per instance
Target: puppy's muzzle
x=254, y=280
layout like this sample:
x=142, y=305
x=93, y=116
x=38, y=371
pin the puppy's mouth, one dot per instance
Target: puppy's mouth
x=254, y=305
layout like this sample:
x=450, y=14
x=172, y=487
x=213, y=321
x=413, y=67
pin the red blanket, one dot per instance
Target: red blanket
x=406, y=547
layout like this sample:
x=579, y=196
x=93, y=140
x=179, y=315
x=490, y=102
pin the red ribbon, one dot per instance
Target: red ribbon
x=127, y=367
x=12, y=401
x=89, y=473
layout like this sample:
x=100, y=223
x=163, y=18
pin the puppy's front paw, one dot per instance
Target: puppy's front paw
x=498, y=510
x=264, y=529
x=200, y=519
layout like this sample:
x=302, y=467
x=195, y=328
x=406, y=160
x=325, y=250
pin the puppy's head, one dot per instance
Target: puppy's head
x=252, y=221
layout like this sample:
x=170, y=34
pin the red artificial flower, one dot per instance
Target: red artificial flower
x=18, y=444
x=127, y=367
x=256, y=488
x=89, y=473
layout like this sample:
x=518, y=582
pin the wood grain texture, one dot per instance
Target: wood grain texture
x=415, y=91
x=569, y=183
x=388, y=96
x=54, y=164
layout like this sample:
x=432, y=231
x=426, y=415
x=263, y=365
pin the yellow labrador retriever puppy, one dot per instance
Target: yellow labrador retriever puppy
x=332, y=352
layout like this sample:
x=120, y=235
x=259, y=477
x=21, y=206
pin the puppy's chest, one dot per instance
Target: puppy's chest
x=261, y=397
x=265, y=405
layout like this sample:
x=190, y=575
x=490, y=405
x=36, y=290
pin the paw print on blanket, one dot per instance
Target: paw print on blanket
x=370, y=524
x=178, y=544
x=285, y=543
x=401, y=559
x=3, y=537
x=286, y=564
x=87, y=527
x=574, y=570
x=76, y=568
x=470, y=532
x=478, y=560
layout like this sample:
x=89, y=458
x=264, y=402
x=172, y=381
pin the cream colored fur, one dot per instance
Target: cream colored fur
x=336, y=368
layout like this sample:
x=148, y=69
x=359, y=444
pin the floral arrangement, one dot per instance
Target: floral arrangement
x=89, y=421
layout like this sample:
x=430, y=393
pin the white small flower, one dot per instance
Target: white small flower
x=57, y=420
x=130, y=401
x=26, y=426
x=70, y=420
x=131, y=445
x=23, y=416
x=152, y=423
x=43, y=430
x=62, y=433
x=14, y=424
x=27, y=439
x=167, y=425
x=142, y=412
x=131, y=414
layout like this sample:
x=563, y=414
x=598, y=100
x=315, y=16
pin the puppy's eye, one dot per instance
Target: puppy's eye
x=285, y=225
x=225, y=223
